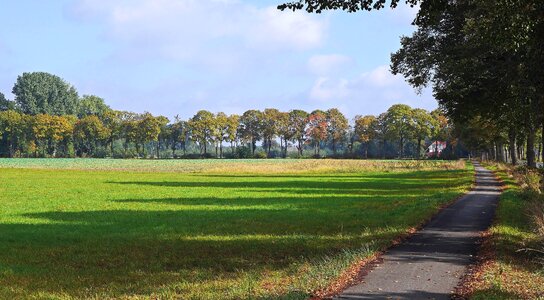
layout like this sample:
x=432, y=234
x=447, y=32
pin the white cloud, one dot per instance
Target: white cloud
x=370, y=92
x=184, y=29
x=326, y=88
x=275, y=29
x=179, y=56
x=380, y=77
x=328, y=64
x=403, y=14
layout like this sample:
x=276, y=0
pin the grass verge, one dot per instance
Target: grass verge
x=505, y=270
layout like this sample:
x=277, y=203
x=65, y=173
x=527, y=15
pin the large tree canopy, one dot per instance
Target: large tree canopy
x=5, y=104
x=44, y=93
x=348, y=5
x=92, y=105
x=482, y=59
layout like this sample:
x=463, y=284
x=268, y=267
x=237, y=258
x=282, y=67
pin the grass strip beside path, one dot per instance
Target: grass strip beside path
x=507, y=272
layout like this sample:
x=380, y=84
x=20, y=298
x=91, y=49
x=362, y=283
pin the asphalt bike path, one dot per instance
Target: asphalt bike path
x=430, y=264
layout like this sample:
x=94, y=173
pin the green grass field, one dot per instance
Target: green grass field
x=105, y=229
x=512, y=274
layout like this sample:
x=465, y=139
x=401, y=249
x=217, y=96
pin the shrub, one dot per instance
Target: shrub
x=274, y=153
x=530, y=182
x=260, y=155
x=196, y=156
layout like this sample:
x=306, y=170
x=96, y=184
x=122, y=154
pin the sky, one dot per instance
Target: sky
x=175, y=57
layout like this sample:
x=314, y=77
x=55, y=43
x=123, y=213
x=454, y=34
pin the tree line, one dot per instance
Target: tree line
x=483, y=60
x=47, y=118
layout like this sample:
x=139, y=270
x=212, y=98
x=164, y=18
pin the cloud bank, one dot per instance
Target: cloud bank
x=179, y=56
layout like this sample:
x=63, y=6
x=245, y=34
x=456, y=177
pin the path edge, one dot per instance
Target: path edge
x=356, y=273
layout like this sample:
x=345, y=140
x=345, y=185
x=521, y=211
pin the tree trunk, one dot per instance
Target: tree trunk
x=111, y=146
x=495, y=153
x=512, y=146
x=542, y=144
x=253, y=146
x=531, y=134
x=10, y=148
x=401, y=147
x=500, y=150
x=419, y=148
x=366, y=150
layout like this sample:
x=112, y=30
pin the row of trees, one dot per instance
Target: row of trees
x=93, y=129
x=45, y=135
x=483, y=60
x=48, y=119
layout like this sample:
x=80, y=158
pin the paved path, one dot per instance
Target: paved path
x=430, y=263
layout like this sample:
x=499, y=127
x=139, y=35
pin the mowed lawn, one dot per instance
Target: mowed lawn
x=237, y=230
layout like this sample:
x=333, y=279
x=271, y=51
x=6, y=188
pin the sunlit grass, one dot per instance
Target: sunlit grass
x=209, y=234
x=253, y=166
x=514, y=274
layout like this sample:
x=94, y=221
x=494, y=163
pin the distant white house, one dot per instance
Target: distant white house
x=436, y=148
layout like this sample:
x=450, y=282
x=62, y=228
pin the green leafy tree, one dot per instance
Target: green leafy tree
x=270, y=127
x=113, y=122
x=381, y=130
x=284, y=131
x=11, y=129
x=221, y=132
x=92, y=105
x=5, y=104
x=129, y=130
x=178, y=135
x=44, y=93
x=400, y=125
x=479, y=57
x=365, y=130
x=317, y=129
x=89, y=133
x=251, y=128
x=164, y=133
x=232, y=130
x=149, y=128
x=424, y=126
x=337, y=126
x=297, y=127
x=49, y=131
x=201, y=126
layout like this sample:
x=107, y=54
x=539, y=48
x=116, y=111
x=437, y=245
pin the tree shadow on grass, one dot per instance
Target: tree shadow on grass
x=374, y=182
x=407, y=174
x=139, y=252
x=132, y=252
x=126, y=252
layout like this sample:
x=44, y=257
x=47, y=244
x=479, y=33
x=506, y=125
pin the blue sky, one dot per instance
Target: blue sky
x=178, y=56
